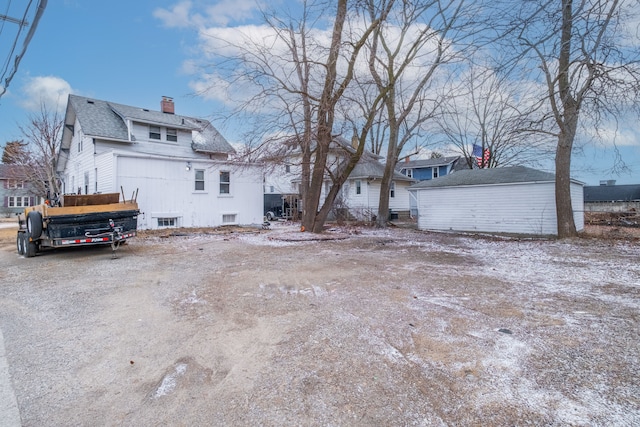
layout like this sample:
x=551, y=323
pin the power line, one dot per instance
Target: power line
x=42, y=4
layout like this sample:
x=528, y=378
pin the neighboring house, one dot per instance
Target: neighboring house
x=608, y=197
x=426, y=169
x=359, y=195
x=16, y=193
x=176, y=166
x=504, y=200
x=361, y=192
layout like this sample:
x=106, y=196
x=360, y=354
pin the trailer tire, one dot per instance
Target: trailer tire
x=20, y=243
x=30, y=248
x=34, y=224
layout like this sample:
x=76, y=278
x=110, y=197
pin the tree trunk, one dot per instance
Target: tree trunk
x=564, y=209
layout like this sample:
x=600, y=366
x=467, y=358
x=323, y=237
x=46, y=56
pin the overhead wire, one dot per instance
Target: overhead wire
x=42, y=4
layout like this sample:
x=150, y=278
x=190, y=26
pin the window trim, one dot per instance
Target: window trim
x=392, y=190
x=435, y=172
x=227, y=183
x=358, y=187
x=152, y=134
x=172, y=135
x=196, y=180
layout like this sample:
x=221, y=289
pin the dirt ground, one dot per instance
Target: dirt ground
x=362, y=327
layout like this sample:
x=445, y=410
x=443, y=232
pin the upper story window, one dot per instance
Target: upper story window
x=409, y=173
x=172, y=135
x=358, y=187
x=436, y=171
x=154, y=132
x=392, y=190
x=225, y=182
x=287, y=168
x=199, y=180
x=14, y=183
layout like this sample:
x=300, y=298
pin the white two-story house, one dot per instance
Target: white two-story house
x=360, y=194
x=177, y=167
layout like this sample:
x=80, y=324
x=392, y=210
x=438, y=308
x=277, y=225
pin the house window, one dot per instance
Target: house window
x=409, y=173
x=167, y=222
x=271, y=189
x=86, y=183
x=154, y=132
x=225, y=182
x=358, y=187
x=14, y=183
x=229, y=218
x=96, y=183
x=172, y=135
x=18, y=201
x=199, y=180
x=435, y=172
x=392, y=192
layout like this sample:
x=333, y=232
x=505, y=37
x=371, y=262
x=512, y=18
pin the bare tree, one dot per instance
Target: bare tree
x=589, y=65
x=300, y=77
x=405, y=54
x=496, y=116
x=42, y=138
x=14, y=152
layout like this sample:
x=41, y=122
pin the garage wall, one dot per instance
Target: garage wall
x=527, y=208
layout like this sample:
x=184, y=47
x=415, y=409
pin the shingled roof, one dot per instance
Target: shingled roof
x=108, y=120
x=491, y=176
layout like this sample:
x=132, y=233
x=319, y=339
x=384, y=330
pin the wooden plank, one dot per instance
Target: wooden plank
x=76, y=210
x=90, y=199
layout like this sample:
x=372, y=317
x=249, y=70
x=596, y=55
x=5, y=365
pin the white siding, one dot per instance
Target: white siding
x=577, y=203
x=167, y=190
x=508, y=208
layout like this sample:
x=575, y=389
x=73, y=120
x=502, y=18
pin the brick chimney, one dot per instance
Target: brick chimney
x=166, y=106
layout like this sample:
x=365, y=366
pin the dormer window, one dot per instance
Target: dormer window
x=172, y=135
x=154, y=132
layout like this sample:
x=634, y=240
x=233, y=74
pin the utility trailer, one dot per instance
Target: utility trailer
x=77, y=220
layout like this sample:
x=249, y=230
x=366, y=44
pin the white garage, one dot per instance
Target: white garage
x=501, y=200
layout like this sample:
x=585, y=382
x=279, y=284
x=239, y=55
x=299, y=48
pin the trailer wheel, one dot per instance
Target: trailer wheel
x=30, y=247
x=20, y=243
x=34, y=224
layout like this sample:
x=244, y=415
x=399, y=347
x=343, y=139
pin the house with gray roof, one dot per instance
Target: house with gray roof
x=360, y=194
x=426, y=169
x=497, y=200
x=178, y=166
x=16, y=192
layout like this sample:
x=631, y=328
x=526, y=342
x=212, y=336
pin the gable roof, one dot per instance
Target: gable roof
x=491, y=176
x=368, y=168
x=108, y=120
x=612, y=193
x=426, y=163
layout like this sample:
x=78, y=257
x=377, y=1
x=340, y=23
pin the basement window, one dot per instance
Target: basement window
x=167, y=222
x=228, y=218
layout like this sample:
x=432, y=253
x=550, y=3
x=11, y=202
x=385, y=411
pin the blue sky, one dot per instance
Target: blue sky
x=135, y=52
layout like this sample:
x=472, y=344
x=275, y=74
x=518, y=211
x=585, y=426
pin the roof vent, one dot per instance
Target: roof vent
x=166, y=105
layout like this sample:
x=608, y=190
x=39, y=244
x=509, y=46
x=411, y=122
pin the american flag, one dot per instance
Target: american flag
x=482, y=157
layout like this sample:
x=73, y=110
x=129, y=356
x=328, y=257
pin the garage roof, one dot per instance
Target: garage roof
x=515, y=174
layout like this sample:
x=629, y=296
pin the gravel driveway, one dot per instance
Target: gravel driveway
x=364, y=327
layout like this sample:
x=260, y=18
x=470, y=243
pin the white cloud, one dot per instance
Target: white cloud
x=199, y=14
x=48, y=90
